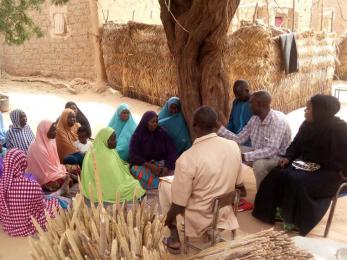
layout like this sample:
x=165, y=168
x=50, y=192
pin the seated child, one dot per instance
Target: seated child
x=83, y=143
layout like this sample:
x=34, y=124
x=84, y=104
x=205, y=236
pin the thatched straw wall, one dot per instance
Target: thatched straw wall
x=254, y=54
x=341, y=69
x=138, y=63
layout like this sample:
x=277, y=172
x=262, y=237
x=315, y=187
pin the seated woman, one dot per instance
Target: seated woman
x=66, y=137
x=152, y=152
x=43, y=159
x=80, y=117
x=20, y=134
x=21, y=197
x=3, y=132
x=124, y=125
x=172, y=120
x=114, y=174
x=299, y=191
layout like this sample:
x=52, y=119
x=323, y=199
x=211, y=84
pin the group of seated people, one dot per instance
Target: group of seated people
x=295, y=180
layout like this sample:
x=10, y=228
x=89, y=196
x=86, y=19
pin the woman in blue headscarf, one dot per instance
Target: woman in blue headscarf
x=172, y=120
x=124, y=125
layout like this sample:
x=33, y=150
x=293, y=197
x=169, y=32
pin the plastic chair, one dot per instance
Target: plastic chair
x=333, y=205
x=228, y=199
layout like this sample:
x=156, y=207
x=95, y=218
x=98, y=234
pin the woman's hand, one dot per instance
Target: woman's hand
x=155, y=169
x=165, y=171
x=283, y=162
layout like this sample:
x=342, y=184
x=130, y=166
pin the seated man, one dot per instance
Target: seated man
x=210, y=168
x=241, y=108
x=269, y=133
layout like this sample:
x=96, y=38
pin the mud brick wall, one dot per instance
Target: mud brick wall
x=65, y=55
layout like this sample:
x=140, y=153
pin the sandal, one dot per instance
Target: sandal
x=172, y=250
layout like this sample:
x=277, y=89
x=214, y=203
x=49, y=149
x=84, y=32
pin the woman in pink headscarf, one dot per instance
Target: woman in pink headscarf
x=43, y=159
x=21, y=197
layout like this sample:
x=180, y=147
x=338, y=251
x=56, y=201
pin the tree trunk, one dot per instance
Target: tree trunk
x=95, y=34
x=196, y=33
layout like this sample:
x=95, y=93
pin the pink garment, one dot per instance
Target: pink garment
x=43, y=159
x=21, y=198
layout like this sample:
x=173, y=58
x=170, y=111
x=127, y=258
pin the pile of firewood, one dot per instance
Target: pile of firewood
x=268, y=244
x=114, y=232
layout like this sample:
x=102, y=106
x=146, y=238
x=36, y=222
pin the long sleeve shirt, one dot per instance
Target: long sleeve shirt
x=269, y=137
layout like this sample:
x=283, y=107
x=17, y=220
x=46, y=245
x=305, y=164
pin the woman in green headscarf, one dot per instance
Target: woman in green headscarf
x=124, y=125
x=114, y=174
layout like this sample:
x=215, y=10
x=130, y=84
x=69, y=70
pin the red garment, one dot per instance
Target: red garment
x=21, y=197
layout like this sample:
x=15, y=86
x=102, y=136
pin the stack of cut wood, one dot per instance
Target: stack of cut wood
x=115, y=232
x=268, y=244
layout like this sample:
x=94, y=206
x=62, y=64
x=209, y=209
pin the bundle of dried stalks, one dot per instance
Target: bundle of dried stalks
x=98, y=233
x=138, y=63
x=115, y=232
x=341, y=69
x=267, y=244
x=254, y=54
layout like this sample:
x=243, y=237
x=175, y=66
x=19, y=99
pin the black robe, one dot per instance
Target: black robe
x=304, y=197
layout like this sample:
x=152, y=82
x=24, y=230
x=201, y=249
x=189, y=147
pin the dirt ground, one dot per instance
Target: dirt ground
x=41, y=101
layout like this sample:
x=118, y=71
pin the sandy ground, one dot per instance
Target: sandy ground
x=41, y=101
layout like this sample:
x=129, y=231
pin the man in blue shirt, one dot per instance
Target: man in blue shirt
x=241, y=109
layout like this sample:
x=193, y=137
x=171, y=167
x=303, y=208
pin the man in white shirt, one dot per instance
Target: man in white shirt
x=269, y=133
x=210, y=168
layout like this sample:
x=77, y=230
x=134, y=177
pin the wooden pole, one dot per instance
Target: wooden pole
x=255, y=12
x=321, y=15
x=293, y=16
x=332, y=21
x=96, y=41
x=268, y=12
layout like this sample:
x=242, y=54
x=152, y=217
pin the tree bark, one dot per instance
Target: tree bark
x=196, y=32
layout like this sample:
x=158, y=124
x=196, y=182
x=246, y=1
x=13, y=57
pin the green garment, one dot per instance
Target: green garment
x=114, y=173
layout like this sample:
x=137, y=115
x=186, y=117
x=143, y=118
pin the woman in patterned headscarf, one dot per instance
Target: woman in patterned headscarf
x=21, y=197
x=20, y=134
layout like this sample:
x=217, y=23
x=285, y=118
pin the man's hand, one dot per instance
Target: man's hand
x=218, y=124
x=283, y=162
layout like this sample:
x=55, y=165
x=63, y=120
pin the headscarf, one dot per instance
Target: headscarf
x=323, y=141
x=175, y=125
x=43, y=159
x=324, y=107
x=80, y=117
x=124, y=131
x=146, y=146
x=3, y=131
x=17, y=136
x=21, y=198
x=114, y=174
x=66, y=136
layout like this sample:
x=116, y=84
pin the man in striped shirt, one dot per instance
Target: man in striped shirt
x=269, y=133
